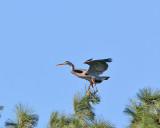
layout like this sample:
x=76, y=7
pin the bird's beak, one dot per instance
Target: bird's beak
x=59, y=64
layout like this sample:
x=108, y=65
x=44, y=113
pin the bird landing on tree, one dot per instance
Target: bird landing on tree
x=96, y=67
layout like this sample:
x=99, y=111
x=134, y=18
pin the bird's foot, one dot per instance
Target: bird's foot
x=94, y=93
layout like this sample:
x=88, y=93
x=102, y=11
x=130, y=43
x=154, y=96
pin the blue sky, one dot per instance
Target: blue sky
x=36, y=35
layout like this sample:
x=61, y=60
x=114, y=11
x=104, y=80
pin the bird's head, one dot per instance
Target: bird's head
x=64, y=63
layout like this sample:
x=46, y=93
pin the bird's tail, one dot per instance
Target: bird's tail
x=100, y=79
x=105, y=78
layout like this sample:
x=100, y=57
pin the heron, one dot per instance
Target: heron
x=96, y=67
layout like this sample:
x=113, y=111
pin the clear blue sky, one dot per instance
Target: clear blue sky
x=35, y=35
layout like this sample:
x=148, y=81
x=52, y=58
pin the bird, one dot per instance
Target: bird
x=96, y=67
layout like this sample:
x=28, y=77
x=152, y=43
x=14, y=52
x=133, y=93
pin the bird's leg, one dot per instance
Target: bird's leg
x=94, y=84
x=96, y=88
x=89, y=85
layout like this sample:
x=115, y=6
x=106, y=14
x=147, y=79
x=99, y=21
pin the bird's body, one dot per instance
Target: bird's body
x=96, y=68
x=83, y=73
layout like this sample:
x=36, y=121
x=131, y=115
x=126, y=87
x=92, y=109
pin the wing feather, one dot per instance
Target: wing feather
x=97, y=66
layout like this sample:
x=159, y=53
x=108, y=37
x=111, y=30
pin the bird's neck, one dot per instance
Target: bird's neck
x=72, y=67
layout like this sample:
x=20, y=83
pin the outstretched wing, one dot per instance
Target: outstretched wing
x=97, y=66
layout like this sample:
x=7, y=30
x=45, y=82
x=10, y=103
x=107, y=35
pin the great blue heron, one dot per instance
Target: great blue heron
x=96, y=68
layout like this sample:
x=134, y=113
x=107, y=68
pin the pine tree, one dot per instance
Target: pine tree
x=101, y=123
x=83, y=116
x=145, y=110
x=25, y=117
x=58, y=120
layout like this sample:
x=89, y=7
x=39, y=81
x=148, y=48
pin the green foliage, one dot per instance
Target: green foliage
x=149, y=96
x=25, y=118
x=83, y=116
x=82, y=105
x=1, y=107
x=100, y=123
x=135, y=110
x=144, y=112
x=59, y=120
